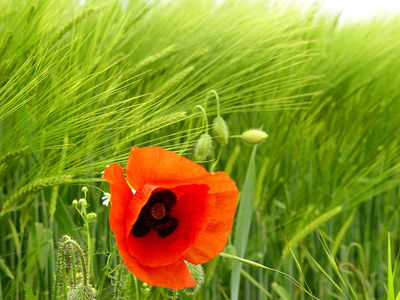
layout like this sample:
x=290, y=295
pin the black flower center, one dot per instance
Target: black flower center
x=156, y=214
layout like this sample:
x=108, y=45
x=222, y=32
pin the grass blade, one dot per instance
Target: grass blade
x=244, y=222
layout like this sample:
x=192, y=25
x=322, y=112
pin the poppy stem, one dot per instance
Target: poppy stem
x=127, y=285
x=175, y=295
x=216, y=97
x=136, y=287
x=205, y=124
x=118, y=283
x=217, y=159
x=81, y=256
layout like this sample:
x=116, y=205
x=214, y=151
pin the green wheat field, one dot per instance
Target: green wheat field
x=82, y=84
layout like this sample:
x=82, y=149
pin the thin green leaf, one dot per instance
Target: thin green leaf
x=257, y=265
x=243, y=224
x=5, y=269
x=280, y=290
x=255, y=283
x=390, y=273
x=64, y=220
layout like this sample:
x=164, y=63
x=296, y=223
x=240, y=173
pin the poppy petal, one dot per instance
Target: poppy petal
x=121, y=196
x=154, y=165
x=173, y=276
x=213, y=238
x=192, y=212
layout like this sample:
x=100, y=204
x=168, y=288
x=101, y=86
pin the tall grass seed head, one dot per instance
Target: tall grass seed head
x=203, y=147
x=220, y=130
x=254, y=136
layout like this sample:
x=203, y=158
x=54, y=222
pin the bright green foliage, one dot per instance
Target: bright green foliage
x=81, y=84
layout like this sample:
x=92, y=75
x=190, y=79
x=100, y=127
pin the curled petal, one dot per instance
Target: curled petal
x=155, y=165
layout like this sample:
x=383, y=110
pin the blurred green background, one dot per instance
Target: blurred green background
x=81, y=84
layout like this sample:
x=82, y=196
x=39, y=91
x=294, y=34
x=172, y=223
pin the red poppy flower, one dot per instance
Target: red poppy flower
x=179, y=212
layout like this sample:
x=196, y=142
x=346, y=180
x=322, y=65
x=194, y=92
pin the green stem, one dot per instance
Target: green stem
x=136, y=287
x=106, y=273
x=64, y=272
x=217, y=98
x=127, y=285
x=118, y=283
x=175, y=295
x=73, y=267
x=205, y=123
x=81, y=256
x=218, y=158
x=89, y=244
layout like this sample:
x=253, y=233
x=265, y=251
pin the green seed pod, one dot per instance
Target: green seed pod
x=81, y=292
x=254, y=136
x=198, y=274
x=84, y=189
x=146, y=289
x=203, y=147
x=220, y=130
x=75, y=202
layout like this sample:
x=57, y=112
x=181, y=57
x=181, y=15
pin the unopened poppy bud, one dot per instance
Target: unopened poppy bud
x=203, y=147
x=82, y=202
x=254, y=136
x=81, y=292
x=198, y=274
x=220, y=130
x=84, y=189
x=91, y=217
x=75, y=203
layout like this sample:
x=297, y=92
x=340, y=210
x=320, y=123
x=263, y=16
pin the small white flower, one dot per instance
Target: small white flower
x=106, y=198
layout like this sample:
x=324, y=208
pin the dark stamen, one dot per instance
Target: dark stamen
x=156, y=214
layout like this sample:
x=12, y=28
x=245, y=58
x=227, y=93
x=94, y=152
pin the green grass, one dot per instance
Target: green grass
x=80, y=85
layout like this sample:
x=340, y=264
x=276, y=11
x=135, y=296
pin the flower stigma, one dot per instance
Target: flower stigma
x=158, y=211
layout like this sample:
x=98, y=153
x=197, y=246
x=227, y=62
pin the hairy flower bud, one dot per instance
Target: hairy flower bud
x=254, y=136
x=198, y=274
x=220, y=130
x=203, y=147
x=80, y=292
x=75, y=203
x=83, y=202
